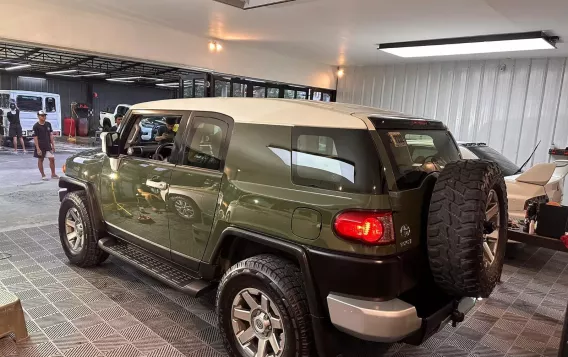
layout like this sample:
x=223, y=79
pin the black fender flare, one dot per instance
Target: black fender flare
x=321, y=326
x=70, y=184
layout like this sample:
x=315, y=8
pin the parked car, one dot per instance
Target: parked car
x=540, y=183
x=107, y=117
x=317, y=223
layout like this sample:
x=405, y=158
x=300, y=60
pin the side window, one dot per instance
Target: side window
x=146, y=134
x=335, y=159
x=50, y=106
x=4, y=100
x=205, y=143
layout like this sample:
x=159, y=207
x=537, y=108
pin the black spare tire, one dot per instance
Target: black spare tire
x=467, y=228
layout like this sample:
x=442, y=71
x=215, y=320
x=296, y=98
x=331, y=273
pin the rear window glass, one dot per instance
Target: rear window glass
x=508, y=167
x=416, y=153
x=29, y=103
x=336, y=159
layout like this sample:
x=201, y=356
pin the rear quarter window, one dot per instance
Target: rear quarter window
x=336, y=159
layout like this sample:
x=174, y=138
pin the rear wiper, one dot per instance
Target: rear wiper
x=529, y=159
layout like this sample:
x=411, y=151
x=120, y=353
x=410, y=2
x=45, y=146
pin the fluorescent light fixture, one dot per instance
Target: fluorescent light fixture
x=75, y=73
x=472, y=45
x=119, y=80
x=33, y=78
x=252, y=4
x=62, y=72
x=134, y=79
x=168, y=85
x=20, y=66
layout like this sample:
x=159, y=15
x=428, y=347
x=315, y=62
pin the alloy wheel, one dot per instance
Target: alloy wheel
x=491, y=228
x=184, y=208
x=257, y=324
x=74, y=230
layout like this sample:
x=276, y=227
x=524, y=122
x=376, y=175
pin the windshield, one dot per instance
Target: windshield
x=416, y=153
x=121, y=110
x=486, y=153
x=29, y=103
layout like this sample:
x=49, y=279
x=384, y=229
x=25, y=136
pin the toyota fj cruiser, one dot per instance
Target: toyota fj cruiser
x=314, y=221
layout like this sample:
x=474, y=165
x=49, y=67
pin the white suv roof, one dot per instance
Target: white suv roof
x=278, y=111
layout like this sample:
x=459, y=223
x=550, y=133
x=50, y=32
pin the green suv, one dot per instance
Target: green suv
x=319, y=224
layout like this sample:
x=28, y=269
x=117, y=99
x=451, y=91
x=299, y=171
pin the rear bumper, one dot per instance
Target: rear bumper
x=387, y=321
x=378, y=321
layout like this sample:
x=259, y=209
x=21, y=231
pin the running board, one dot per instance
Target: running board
x=156, y=267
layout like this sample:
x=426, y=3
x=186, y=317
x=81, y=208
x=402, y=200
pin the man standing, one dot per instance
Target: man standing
x=15, y=130
x=44, y=144
x=1, y=129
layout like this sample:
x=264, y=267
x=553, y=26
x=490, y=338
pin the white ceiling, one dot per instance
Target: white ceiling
x=345, y=32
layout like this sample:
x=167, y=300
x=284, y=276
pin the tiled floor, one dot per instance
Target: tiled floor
x=115, y=310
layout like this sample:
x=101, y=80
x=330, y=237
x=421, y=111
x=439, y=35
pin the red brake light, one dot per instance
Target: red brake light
x=368, y=227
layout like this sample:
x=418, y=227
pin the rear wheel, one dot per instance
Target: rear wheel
x=467, y=228
x=262, y=309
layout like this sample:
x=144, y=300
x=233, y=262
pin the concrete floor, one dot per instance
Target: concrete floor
x=26, y=200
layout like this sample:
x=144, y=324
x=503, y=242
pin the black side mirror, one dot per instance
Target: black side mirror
x=109, y=141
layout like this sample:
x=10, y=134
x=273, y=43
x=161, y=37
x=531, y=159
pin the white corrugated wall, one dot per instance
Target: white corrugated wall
x=509, y=104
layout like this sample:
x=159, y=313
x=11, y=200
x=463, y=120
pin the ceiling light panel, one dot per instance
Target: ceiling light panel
x=471, y=45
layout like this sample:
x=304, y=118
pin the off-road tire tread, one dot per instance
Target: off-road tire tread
x=94, y=255
x=285, y=278
x=455, y=226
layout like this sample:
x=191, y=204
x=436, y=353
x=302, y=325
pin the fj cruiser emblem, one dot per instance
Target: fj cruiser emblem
x=405, y=231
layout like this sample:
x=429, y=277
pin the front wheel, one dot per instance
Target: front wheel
x=76, y=231
x=262, y=309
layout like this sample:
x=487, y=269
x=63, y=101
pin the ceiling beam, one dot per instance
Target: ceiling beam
x=165, y=71
x=122, y=68
x=78, y=62
x=28, y=53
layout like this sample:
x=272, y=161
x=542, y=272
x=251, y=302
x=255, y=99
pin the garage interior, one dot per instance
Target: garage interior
x=104, y=53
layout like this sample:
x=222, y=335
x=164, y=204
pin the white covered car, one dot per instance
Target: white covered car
x=534, y=184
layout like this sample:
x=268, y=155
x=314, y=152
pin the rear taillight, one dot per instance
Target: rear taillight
x=368, y=227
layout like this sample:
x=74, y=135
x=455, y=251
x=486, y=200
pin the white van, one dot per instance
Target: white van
x=29, y=104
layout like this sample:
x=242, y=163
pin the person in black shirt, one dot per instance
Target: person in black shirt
x=15, y=131
x=1, y=129
x=167, y=134
x=117, y=119
x=44, y=144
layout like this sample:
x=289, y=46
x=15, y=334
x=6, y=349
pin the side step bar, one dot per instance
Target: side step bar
x=156, y=267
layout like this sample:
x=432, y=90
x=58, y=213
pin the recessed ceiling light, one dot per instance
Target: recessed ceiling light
x=472, y=45
x=252, y=4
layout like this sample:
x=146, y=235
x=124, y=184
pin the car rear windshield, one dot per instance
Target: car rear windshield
x=336, y=159
x=416, y=153
x=486, y=153
x=29, y=103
